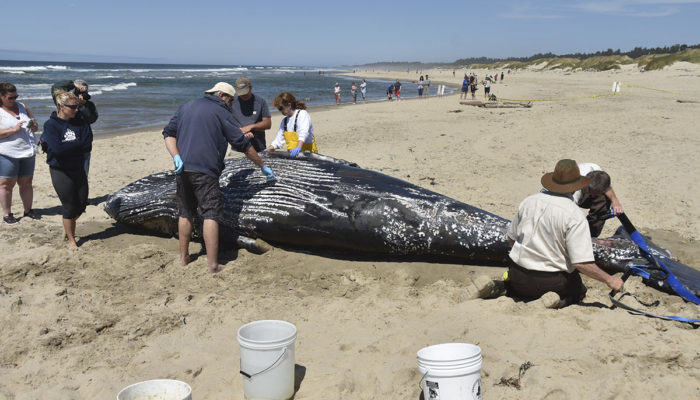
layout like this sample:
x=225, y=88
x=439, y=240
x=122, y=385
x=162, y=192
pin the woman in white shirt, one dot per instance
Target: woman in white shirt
x=296, y=132
x=17, y=152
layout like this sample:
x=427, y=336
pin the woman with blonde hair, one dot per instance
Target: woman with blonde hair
x=17, y=153
x=67, y=139
x=296, y=132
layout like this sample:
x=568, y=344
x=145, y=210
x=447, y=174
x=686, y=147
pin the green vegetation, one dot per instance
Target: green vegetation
x=660, y=61
x=647, y=59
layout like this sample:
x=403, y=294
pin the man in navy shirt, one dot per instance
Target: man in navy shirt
x=251, y=113
x=197, y=138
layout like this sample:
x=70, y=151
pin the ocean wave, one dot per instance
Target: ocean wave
x=99, y=89
x=144, y=70
x=31, y=68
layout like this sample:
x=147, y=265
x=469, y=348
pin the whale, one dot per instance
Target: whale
x=324, y=204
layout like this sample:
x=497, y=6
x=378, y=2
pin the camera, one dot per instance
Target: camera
x=85, y=95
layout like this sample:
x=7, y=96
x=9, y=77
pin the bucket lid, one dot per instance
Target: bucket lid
x=171, y=388
x=266, y=334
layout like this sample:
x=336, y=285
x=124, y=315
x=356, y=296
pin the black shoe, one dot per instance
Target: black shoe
x=32, y=214
x=10, y=220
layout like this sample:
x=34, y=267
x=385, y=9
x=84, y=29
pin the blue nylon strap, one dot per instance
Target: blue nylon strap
x=673, y=282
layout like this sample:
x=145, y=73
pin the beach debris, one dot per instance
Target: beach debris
x=455, y=111
x=513, y=381
x=687, y=101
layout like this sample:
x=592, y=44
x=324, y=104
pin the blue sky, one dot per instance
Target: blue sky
x=334, y=33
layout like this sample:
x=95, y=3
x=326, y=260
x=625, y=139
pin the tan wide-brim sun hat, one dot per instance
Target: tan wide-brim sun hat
x=566, y=178
x=222, y=87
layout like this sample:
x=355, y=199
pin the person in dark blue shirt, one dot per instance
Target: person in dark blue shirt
x=197, y=138
x=66, y=139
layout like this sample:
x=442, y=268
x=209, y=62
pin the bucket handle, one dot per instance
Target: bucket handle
x=247, y=375
x=420, y=382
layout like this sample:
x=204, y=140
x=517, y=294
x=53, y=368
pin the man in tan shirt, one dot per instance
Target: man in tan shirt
x=551, y=242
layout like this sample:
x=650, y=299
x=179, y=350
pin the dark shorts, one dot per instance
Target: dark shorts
x=198, y=193
x=258, y=141
x=488, y=89
x=531, y=285
x=72, y=189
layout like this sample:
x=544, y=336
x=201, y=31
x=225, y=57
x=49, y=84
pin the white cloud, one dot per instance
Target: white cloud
x=634, y=8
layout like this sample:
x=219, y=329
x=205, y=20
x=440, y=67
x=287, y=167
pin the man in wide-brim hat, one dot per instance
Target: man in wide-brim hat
x=552, y=243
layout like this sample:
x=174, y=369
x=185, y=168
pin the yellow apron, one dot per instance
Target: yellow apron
x=292, y=138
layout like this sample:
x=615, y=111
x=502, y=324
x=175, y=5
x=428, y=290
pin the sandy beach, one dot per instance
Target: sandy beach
x=84, y=324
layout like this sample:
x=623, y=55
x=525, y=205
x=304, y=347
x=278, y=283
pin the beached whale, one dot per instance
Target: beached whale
x=319, y=202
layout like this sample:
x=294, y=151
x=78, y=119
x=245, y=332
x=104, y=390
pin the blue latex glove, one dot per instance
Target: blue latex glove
x=295, y=151
x=268, y=173
x=178, y=163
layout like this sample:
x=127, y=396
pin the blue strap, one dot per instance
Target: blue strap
x=671, y=279
x=619, y=303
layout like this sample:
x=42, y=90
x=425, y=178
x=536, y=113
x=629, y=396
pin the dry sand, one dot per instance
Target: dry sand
x=82, y=325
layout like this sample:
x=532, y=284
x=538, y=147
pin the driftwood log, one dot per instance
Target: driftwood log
x=496, y=104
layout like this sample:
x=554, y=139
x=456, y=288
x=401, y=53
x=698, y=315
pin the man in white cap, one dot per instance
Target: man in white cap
x=197, y=138
x=251, y=113
x=551, y=243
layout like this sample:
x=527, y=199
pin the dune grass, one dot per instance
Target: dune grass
x=598, y=63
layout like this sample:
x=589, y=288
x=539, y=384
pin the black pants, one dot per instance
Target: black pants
x=72, y=189
x=598, y=211
x=531, y=285
x=258, y=141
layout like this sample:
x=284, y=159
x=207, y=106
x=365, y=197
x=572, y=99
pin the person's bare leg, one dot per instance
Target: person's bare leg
x=184, y=229
x=6, y=186
x=26, y=192
x=211, y=242
x=69, y=229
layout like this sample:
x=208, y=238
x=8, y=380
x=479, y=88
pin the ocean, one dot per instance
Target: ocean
x=138, y=96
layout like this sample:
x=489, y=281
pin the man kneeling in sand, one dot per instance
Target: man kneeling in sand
x=551, y=245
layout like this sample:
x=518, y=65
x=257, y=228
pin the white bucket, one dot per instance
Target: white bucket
x=450, y=371
x=267, y=359
x=157, y=389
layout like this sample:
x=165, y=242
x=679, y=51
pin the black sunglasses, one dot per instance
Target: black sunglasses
x=71, y=106
x=13, y=97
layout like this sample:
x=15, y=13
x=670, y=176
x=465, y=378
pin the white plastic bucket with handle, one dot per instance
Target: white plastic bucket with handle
x=267, y=359
x=450, y=371
x=157, y=389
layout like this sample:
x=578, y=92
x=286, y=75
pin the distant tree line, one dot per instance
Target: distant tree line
x=636, y=52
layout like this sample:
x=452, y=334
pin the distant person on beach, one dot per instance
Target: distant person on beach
x=196, y=138
x=87, y=110
x=487, y=86
x=465, y=87
x=472, y=86
x=353, y=91
x=363, y=90
x=389, y=91
x=17, y=153
x=397, y=90
x=251, y=113
x=426, y=86
x=296, y=133
x=336, y=91
x=501, y=76
x=67, y=140
x=598, y=197
x=420, y=86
